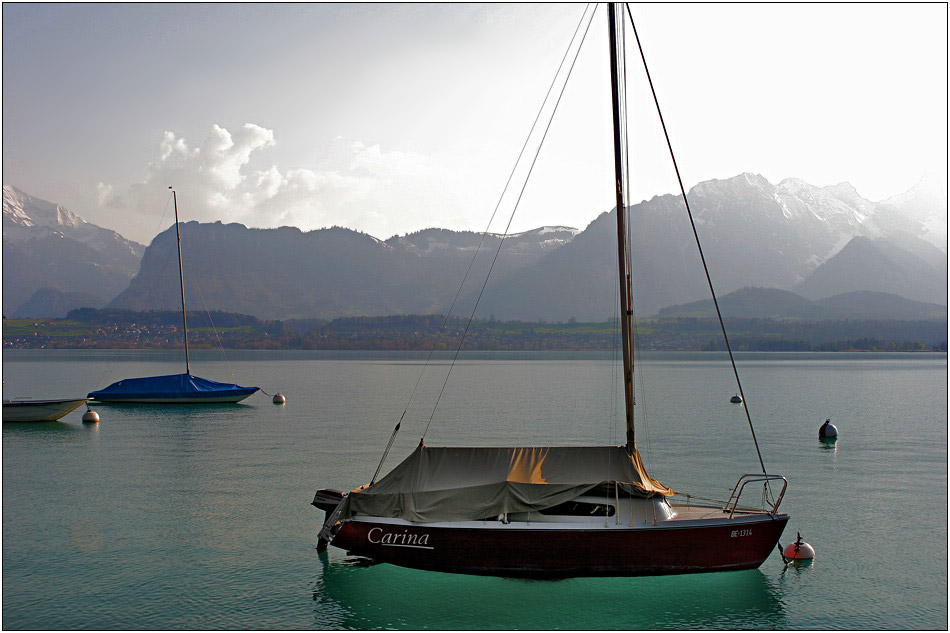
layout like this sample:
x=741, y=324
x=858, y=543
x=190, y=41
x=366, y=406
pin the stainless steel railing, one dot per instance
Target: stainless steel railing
x=749, y=478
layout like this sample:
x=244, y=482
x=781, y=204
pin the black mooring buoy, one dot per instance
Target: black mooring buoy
x=827, y=430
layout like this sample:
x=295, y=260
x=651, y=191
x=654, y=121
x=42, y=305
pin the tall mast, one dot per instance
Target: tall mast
x=623, y=257
x=181, y=282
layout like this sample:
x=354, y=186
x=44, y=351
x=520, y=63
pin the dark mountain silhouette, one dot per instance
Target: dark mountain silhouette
x=286, y=273
x=880, y=266
x=769, y=303
x=47, y=302
x=66, y=265
x=880, y=305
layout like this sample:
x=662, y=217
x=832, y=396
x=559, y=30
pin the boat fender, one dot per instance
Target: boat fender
x=798, y=551
x=279, y=399
x=90, y=417
x=827, y=430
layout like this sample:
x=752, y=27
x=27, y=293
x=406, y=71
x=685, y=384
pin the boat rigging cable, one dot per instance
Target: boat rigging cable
x=521, y=154
x=620, y=209
x=545, y=511
x=513, y=211
x=181, y=280
x=157, y=230
x=204, y=302
x=692, y=223
x=214, y=328
x=636, y=358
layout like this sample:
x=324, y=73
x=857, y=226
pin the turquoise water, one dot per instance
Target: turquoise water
x=197, y=518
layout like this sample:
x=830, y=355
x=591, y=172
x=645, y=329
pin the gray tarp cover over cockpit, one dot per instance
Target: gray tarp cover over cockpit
x=462, y=484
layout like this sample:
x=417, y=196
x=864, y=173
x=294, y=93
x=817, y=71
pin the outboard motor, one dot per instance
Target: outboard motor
x=326, y=499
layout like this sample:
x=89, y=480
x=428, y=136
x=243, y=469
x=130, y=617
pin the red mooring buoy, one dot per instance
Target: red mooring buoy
x=799, y=550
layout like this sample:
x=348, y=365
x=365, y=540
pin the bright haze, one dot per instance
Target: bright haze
x=393, y=118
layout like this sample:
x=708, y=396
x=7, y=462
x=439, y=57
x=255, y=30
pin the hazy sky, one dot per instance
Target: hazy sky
x=393, y=118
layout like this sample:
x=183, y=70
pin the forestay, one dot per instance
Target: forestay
x=461, y=484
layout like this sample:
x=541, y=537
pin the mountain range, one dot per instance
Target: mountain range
x=815, y=242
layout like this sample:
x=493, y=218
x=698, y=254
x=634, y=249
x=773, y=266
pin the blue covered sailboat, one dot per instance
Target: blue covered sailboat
x=175, y=388
x=172, y=389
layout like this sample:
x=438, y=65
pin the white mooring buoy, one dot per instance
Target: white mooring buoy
x=279, y=399
x=798, y=551
x=827, y=430
x=90, y=417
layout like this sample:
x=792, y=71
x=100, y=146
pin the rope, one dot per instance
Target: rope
x=517, y=202
x=630, y=505
x=781, y=550
x=615, y=364
x=107, y=370
x=690, y=497
x=475, y=255
x=702, y=257
x=211, y=321
x=392, y=438
x=163, y=270
x=162, y=219
x=194, y=283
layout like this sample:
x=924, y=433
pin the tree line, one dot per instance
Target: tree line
x=89, y=328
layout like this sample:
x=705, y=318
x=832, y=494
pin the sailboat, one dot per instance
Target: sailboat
x=553, y=511
x=174, y=388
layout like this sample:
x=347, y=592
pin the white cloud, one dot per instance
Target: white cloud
x=372, y=189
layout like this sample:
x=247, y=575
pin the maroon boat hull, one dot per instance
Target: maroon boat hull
x=539, y=552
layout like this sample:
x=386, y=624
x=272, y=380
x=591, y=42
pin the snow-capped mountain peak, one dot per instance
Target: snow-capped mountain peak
x=23, y=210
x=26, y=217
x=926, y=205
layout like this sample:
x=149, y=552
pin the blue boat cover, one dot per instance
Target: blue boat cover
x=176, y=387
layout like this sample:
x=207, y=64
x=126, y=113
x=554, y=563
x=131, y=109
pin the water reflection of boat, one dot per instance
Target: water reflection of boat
x=348, y=594
x=25, y=410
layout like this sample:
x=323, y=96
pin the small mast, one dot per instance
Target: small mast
x=181, y=282
x=623, y=257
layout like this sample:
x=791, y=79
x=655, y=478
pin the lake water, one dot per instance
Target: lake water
x=199, y=518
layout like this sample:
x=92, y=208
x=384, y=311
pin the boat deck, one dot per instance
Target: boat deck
x=694, y=512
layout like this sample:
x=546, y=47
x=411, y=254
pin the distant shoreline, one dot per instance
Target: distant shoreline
x=210, y=355
x=159, y=330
